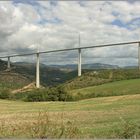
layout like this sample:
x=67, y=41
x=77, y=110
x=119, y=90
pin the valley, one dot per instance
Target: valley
x=102, y=103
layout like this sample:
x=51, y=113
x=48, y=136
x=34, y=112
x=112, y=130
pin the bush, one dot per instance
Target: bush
x=36, y=96
x=49, y=94
x=53, y=95
x=18, y=96
x=4, y=94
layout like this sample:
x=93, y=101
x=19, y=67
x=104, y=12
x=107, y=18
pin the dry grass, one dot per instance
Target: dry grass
x=99, y=117
x=41, y=126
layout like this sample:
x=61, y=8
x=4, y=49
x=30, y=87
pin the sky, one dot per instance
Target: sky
x=29, y=26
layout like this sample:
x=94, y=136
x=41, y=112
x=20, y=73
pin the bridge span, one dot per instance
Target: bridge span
x=63, y=50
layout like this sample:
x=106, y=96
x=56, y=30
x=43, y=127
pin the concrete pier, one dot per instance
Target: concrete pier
x=139, y=55
x=37, y=72
x=79, y=62
x=79, y=57
x=8, y=63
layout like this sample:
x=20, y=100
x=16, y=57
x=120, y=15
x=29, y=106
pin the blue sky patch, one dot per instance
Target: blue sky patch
x=53, y=21
x=31, y=2
x=129, y=25
x=118, y=23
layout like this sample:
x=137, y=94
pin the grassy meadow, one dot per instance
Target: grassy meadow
x=105, y=117
x=116, y=114
x=124, y=87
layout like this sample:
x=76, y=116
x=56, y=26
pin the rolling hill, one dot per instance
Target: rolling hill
x=3, y=65
x=98, y=77
x=23, y=74
x=49, y=76
x=123, y=87
x=10, y=80
x=86, y=66
x=105, y=117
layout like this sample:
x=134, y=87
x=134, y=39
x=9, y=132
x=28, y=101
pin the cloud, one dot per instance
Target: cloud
x=56, y=25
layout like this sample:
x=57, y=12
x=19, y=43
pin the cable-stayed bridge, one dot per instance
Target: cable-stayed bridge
x=79, y=49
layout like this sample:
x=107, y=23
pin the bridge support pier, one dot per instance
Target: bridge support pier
x=79, y=62
x=37, y=72
x=8, y=63
x=139, y=55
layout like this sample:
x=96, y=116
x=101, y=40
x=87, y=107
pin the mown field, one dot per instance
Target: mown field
x=105, y=117
x=116, y=114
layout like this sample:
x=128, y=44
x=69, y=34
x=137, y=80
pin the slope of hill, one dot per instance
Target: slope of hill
x=49, y=76
x=21, y=74
x=98, y=77
x=116, y=88
x=3, y=65
x=86, y=66
x=10, y=80
x=52, y=76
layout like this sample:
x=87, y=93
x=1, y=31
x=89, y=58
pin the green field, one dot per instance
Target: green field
x=124, y=87
x=105, y=117
x=117, y=116
x=98, y=77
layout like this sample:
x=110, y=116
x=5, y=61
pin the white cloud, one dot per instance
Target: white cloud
x=127, y=11
x=23, y=27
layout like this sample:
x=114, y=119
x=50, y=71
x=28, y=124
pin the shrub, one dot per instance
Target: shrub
x=4, y=94
x=18, y=96
x=49, y=94
x=36, y=96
